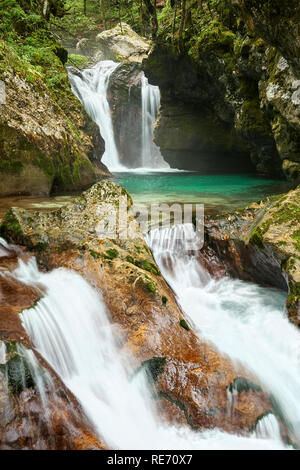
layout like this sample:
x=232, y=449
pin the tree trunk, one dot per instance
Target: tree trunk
x=152, y=11
x=174, y=19
x=182, y=23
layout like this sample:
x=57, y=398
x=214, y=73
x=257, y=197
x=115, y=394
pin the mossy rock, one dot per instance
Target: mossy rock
x=242, y=384
x=154, y=367
x=17, y=370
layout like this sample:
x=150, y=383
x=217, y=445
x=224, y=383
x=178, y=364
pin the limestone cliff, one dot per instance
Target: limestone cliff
x=261, y=243
x=47, y=141
x=230, y=87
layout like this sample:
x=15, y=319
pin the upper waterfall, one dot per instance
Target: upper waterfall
x=91, y=86
x=151, y=156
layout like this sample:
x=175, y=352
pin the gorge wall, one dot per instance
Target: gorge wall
x=47, y=140
x=230, y=85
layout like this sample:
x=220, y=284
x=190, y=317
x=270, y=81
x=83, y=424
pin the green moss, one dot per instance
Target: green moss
x=154, y=367
x=164, y=300
x=10, y=228
x=184, y=324
x=148, y=266
x=151, y=286
x=252, y=120
x=111, y=253
x=293, y=299
x=144, y=264
x=147, y=284
x=256, y=238
x=79, y=61
x=278, y=410
x=11, y=166
x=17, y=371
x=296, y=236
x=46, y=164
x=241, y=384
x=41, y=246
x=94, y=254
x=130, y=259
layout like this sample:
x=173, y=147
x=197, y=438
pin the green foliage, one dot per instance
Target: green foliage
x=10, y=228
x=100, y=16
x=11, y=165
x=78, y=61
x=111, y=253
x=203, y=26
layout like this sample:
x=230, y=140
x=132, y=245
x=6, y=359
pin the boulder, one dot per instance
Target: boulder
x=121, y=44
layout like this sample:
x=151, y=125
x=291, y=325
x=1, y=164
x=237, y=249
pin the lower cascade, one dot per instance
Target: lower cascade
x=91, y=86
x=89, y=358
x=244, y=320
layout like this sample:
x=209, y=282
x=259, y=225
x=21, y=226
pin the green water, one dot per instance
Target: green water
x=217, y=192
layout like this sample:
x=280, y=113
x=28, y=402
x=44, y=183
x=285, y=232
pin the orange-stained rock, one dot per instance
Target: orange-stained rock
x=25, y=421
x=189, y=372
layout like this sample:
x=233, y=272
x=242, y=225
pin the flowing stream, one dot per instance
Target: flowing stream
x=71, y=328
x=243, y=320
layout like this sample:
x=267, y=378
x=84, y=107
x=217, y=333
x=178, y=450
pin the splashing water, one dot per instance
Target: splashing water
x=71, y=329
x=243, y=320
x=151, y=156
x=90, y=86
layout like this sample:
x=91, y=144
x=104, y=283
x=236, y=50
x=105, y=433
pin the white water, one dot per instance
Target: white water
x=91, y=88
x=71, y=329
x=151, y=156
x=243, y=320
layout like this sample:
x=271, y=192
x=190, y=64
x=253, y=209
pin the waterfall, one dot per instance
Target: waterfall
x=90, y=86
x=71, y=328
x=151, y=156
x=244, y=320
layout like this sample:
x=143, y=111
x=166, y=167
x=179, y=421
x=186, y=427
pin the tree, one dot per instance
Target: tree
x=151, y=7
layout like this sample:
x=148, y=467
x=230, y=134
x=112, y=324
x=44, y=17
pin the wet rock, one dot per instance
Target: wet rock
x=44, y=147
x=186, y=371
x=232, y=102
x=261, y=243
x=36, y=410
x=124, y=95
